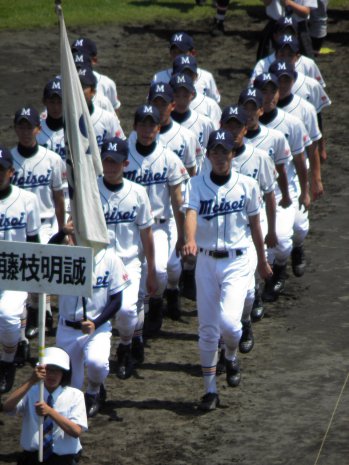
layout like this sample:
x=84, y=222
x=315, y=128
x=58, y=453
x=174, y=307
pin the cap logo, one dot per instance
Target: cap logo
x=233, y=111
x=288, y=39
x=56, y=85
x=79, y=43
x=82, y=72
x=178, y=38
x=25, y=112
x=266, y=77
x=79, y=58
x=220, y=136
x=180, y=79
x=160, y=88
x=112, y=147
x=288, y=21
x=251, y=92
x=147, y=109
x=185, y=60
x=281, y=66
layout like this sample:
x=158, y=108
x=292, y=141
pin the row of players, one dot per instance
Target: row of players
x=166, y=125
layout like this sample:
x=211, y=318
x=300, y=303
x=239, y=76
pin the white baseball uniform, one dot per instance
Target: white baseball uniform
x=41, y=174
x=127, y=211
x=208, y=107
x=311, y=90
x=205, y=82
x=19, y=219
x=107, y=87
x=105, y=125
x=92, y=351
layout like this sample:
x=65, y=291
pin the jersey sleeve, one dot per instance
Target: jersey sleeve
x=320, y=99
x=189, y=158
x=212, y=89
x=283, y=152
x=254, y=200
x=298, y=138
x=267, y=174
x=116, y=129
x=191, y=195
x=177, y=171
x=312, y=124
x=119, y=277
x=57, y=172
x=144, y=217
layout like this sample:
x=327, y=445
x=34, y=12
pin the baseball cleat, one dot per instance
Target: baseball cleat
x=124, y=367
x=257, y=312
x=209, y=402
x=153, y=319
x=233, y=372
x=7, y=376
x=298, y=261
x=279, y=278
x=22, y=353
x=217, y=28
x=188, y=285
x=247, y=340
x=32, y=329
x=220, y=368
x=93, y=403
x=173, y=304
x=269, y=294
x=137, y=350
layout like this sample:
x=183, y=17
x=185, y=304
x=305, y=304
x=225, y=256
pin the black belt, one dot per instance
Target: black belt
x=73, y=324
x=221, y=253
x=160, y=220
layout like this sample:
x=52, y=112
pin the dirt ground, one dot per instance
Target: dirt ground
x=293, y=378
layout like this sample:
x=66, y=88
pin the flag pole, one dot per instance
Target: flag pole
x=41, y=351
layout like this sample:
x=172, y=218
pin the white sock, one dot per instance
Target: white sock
x=208, y=365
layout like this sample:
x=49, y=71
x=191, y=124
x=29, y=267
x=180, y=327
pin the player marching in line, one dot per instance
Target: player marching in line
x=162, y=173
x=182, y=43
x=219, y=207
x=19, y=221
x=84, y=327
x=129, y=220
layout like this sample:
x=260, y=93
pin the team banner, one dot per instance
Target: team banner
x=83, y=158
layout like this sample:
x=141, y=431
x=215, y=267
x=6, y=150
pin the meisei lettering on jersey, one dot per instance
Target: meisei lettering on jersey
x=209, y=209
x=32, y=180
x=102, y=281
x=7, y=223
x=116, y=216
x=147, y=178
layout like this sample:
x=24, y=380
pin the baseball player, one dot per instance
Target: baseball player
x=84, y=329
x=218, y=22
x=105, y=85
x=105, y=124
x=129, y=220
x=298, y=138
x=184, y=143
x=303, y=64
x=19, y=221
x=200, y=125
x=38, y=170
x=186, y=64
x=161, y=172
x=318, y=25
x=182, y=43
x=219, y=207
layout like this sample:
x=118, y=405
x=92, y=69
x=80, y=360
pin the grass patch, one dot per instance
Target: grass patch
x=22, y=14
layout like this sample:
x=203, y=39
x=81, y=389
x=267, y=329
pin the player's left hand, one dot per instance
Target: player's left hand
x=304, y=199
x=190, y=248
x=88, y=327
x=317, y=189
x=271, y=240
x=42, y=409
x=179, y=245
x=151, y=282
x=264, y=270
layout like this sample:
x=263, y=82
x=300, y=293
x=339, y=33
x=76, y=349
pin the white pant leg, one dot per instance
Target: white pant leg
x=284, y=232
x=250, y=294
x=174, y=266
x=301, y=221
x=162, y=247
x=126, y=318
x=318, y=20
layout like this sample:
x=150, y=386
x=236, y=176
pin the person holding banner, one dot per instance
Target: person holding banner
x=19, y=221
x=63, y=410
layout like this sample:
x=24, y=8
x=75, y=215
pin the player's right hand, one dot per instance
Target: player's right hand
x=189, y=248
x=285, y=202
x=304, y=199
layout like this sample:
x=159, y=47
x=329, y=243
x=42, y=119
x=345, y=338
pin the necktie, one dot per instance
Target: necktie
x=48, y=432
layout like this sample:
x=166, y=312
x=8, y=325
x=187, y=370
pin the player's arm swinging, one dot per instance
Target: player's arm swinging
x=190, y=226
x=270, y=207
x=301, y=169
x=282, y=181
x=176, y=202
x=149, y=252
x=316, y=186
x=263, y=266
x=58, y=200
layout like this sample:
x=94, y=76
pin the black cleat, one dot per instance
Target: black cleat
x=93, y=403
x=217, y=28
x=137, y=350
x=209, y=402
x=153, y=319
x=124, y=361
x=279, y=278
x=298, y=261
x=102, y=394
x=32, y=329
x=220, y=368
x=7, y=376
x=173, y=304
x=49, y=322
x=233, y=372
x=188, y=285
x=269, y=294
x=247, y=340
x=257, y=312
x=22, y=353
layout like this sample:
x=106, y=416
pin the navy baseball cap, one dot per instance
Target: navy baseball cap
x=86, y=76
x=288, y=41
x=182, y=80
x=30, y=114
x=282, y=68
x=234, y=112
x=81, y=60
x=53, y=87
x=182, y=40
x=251, y=94
x=183, y=62
x=115, y=148
x=6, y=160
x=263, y=79
x=221, y=137
x=85, y=45
x=161, y=89
x=286, y=22
x=147, y=111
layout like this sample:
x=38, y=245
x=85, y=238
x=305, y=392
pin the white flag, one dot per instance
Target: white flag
x=83, y=157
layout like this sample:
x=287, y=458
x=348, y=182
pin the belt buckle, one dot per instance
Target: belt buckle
x=219, y=254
